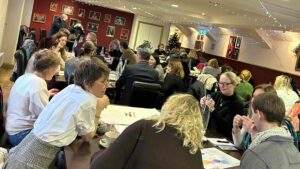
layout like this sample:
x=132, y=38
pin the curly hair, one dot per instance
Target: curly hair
x=182, y=112
x=283, y=82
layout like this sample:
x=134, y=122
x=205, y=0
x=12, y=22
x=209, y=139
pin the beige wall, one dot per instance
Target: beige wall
x=137, y=19
x=18, y=12
x=279, y=57
x=4, y=4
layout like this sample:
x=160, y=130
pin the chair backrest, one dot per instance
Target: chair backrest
x=144, y=94
x=197, y=89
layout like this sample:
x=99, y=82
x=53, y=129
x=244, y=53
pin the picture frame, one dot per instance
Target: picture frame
x=238, y=42
x=53, y=6
x=93, y=15
x=124, y=35
x=81, y=13
x=73, y=21
x=120, y=21
x=107, y=18
x=110, y=31
x=38, y=17
x=94, y=27
x=66, y=9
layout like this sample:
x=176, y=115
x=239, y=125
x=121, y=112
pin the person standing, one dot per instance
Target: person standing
x=57, y=24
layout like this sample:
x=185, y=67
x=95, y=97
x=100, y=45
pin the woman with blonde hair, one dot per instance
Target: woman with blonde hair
x=226, y=106
x=244, y=90
x=173, y=80
x=174, y=134
x=285, y=92
x=193, y=59
x=212, y=68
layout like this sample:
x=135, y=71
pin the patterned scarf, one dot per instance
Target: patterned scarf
x=264, y=135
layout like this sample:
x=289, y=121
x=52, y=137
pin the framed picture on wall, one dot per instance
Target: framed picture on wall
x=120, y=20
x=110, y=32
x=66, y=9
x=124, y=34
x=37, y=17
x=107, y=18
x=238, y=42
x=93, y=15
x=73, y=21
x=81, y=13
x=53, y=6
x=92, y=27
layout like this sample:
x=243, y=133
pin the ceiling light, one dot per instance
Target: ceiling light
x=134, y=8
x=203, y=13
x=174, y=5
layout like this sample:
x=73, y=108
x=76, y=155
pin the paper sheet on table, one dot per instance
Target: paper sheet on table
x=219, y=142
x=214, y=158
x=125, y=115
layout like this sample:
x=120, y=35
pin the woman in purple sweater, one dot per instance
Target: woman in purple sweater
x=170, y=140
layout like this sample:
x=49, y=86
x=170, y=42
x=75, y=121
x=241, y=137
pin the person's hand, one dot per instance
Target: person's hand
x=53, y=91
x=247, y=124
x=237, y=122
x=208, y=102
x=102, y=103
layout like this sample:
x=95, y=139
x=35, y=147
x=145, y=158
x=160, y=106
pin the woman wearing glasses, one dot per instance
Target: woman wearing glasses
x=227, y=104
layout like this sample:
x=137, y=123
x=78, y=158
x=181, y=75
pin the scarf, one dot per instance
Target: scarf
x=264, y=135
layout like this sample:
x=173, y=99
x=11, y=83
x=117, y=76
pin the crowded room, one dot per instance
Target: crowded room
x=164, y=84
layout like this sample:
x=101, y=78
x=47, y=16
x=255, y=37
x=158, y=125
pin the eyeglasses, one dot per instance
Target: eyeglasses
x=224, y=84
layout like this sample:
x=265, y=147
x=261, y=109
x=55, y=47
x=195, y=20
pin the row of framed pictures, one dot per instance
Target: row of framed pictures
x=93, y=15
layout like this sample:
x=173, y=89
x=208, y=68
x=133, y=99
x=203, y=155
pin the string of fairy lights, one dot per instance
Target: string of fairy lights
x=169, y=15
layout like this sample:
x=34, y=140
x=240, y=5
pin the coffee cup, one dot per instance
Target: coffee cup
x=111, y=136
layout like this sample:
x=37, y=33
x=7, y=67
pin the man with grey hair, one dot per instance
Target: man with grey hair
x=141, y=71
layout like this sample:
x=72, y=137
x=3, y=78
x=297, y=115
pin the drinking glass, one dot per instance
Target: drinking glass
x=205, y=118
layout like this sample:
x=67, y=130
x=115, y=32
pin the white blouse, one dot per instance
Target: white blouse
x=27, y=98
x=70, y=113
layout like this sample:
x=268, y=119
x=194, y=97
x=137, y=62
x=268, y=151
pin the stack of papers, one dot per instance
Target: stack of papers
x=123, y=116
x=213, y=158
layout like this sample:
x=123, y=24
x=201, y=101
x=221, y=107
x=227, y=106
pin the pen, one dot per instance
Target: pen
x=222, y=141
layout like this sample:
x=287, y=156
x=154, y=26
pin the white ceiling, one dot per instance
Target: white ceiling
x=246, y=14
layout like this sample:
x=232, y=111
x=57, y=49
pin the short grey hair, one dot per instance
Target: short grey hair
x=144, y=53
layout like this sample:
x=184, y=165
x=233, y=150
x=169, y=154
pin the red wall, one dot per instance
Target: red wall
x=42, y=6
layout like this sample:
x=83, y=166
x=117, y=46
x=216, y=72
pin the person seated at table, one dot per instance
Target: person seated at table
x=115, y=53
x=193, y=59
x=242, y=137
x=91, y=36
x=29, y=95
x=174, y=134
x=173, y=81
x=226, y=106
x=141, y=71
x=285, y=91
x=212, y=68
x=160, y=49
x=88, y=51
x=75, y=111
x=155, y=63
x=128, y=57
x=244, y=89
x=272, y=145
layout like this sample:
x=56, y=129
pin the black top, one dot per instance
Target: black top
x=141, y=71
x=172, y=84
x=157, y=51
x=57, y=24
x=226, y=107
x=141, y=147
